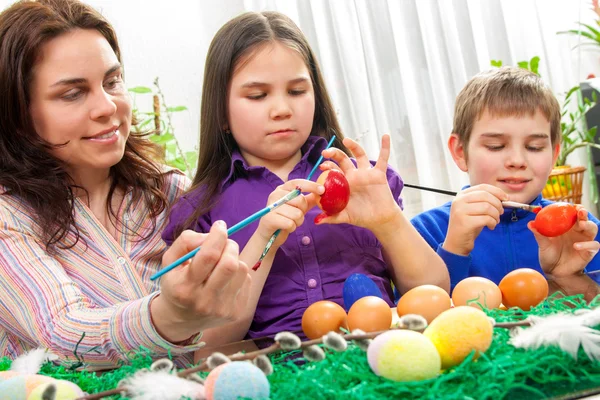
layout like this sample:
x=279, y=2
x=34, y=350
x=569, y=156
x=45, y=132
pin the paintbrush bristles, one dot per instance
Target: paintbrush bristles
x=514, y=204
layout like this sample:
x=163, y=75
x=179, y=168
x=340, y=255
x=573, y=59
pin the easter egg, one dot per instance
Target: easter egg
x=556, y=219
x=358, y=286
x=323, y=317
x=523, y=288
x=426, y=300
x=336, y=195
x=370, y=314
x=403, y=356
x=477, y=292
x=233, y=380
x=65, y=390
x=14, y=385
x=457, y=332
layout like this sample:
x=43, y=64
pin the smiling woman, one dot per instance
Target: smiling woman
x=82, y=204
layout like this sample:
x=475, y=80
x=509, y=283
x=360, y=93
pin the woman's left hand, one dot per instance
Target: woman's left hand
x=371, y=203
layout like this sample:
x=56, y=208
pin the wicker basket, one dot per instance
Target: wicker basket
x=564, y=184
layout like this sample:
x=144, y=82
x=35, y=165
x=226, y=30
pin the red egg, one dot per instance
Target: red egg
x=556, y=219
x=336, y=195
x=323, y=317
x=523, y=288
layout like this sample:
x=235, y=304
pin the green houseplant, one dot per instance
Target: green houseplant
x=158, y=121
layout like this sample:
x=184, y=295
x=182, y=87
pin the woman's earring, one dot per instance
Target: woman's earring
x=228, y=131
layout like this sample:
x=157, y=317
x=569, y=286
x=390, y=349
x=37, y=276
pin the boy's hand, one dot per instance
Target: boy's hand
x=570, y=253
x=472, y=210
x=290, y=215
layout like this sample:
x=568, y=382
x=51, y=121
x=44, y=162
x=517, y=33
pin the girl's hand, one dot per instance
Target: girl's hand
x=371, y=203
x=571, y=252
x=290, y=215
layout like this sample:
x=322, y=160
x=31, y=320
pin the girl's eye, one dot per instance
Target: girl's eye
x=257, y=96
x=297, y=92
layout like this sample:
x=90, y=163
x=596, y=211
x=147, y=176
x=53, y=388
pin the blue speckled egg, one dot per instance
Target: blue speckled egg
x=237, y=379
x=358, y=286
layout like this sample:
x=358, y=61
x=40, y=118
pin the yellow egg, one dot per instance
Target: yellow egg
x=477, y=292
x=457, y=332
x=403, y=356
x=65, y=390
x=370, y=314
x=426, y=300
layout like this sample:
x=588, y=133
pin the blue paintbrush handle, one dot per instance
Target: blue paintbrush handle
x=278, y=231
x=235, y=228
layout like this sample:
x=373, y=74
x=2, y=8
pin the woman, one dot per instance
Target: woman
x=83, y=204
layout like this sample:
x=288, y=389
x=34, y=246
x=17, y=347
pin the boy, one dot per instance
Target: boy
x=506, y=136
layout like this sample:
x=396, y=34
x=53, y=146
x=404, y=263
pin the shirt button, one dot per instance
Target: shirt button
x=121, y=260
x=306, y=240
x=312, y=283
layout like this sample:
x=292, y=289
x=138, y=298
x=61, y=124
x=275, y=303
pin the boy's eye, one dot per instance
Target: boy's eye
x=257, y=96
x=535, y=148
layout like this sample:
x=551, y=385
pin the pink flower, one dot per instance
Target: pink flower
x=596, y=7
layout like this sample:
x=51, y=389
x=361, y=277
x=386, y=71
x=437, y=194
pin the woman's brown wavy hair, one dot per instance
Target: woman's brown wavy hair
x=234, y=44
x=27, y=169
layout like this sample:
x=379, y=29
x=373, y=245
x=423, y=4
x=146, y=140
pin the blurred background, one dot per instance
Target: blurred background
x=391, y=66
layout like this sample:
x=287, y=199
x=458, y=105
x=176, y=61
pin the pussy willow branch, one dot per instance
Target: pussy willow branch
x=275, y=347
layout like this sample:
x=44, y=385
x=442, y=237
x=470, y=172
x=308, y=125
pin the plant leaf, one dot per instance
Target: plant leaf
x=140, y=90
x=176, y=109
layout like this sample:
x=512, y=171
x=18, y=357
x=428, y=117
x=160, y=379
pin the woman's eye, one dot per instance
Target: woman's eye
x=297, y=92
x=72, y=94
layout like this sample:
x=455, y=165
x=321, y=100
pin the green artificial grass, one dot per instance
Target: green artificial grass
x=503, y=372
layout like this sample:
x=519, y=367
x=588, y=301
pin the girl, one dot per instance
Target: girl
x=266, y=118
x=82, y=203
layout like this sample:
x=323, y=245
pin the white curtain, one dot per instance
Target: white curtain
x=391, y=66
x=396, y=66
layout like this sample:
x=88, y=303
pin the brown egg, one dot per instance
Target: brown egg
x=323, y=317
x=523, y=288
x=426, y=300
x=371, y=314
x=477, y=292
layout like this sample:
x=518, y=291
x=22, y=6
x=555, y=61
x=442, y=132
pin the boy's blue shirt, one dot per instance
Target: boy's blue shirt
x=511, y=245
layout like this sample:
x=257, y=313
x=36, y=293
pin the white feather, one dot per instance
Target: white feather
x=161, y=385
x=31, y=362
x=567, y=331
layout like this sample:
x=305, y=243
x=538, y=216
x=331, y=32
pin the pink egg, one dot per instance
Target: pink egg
x=375, y=347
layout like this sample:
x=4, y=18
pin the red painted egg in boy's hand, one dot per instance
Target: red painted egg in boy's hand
x=556, y=219
x=336, y=195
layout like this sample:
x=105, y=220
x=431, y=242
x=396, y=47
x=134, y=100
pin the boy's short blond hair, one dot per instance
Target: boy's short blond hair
x=506, y=91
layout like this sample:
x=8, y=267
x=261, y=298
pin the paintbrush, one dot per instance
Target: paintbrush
x=278, y=231
x=240, y=225
x=506, y=204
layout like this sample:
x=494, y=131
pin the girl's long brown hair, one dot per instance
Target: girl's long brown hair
x=27, y=169
x=232, y=43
